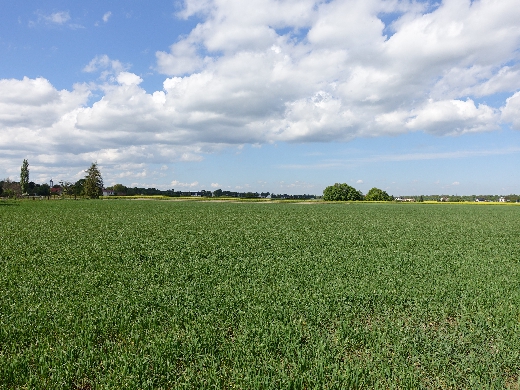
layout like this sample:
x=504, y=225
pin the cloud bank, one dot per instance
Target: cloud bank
x=267, y=71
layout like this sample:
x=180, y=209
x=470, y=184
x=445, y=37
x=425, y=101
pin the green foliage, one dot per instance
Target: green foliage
x=79, y=188
x=11, y=189
x=341, y=192
x=375, y=194
x=67, y=188
x=93, y=185
x=119, y=189
x=24, y=177
x=42, y=190
x=150, y=295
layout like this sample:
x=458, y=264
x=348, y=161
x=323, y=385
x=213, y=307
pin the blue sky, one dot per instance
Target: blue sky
x=285, y=96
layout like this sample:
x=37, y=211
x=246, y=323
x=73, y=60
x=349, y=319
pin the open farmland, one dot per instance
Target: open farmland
x=151, y=294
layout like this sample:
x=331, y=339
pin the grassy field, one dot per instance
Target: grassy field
x=152, y=294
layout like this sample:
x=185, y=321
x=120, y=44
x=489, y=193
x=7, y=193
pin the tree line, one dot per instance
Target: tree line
x=122, y=190
x=91, y=186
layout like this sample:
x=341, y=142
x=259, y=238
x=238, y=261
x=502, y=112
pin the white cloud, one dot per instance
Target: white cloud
x=176, y=183
x=127, y=78
x=359, y=182
x=511, y=111
x=455, y=183
x=292, y=70
x=56, y=18
x=60, y=18
x=109, y=68
x=183, y=58
x=215, y=185
x=107, y=16
x=453, y=117
x=33, y=114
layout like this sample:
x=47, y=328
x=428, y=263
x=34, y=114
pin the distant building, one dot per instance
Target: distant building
x=502, y=199
x=400, y=199
x=108, y=192
x=56, y=190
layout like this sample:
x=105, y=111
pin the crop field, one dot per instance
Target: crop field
x=158, y=294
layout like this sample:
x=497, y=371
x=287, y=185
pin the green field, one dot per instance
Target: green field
x=155, y=294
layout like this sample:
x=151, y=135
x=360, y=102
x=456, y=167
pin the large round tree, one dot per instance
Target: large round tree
x=375, y=194
x=341, y=192
x=93, y=185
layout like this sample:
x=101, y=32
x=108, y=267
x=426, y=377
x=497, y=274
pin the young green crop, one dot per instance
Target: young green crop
x=151, y=294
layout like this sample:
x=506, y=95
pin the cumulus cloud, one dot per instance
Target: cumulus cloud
x=511, y=111
x=453, y=117
x=182, y=59
x=107, y=16
x=344, y=78
x=292, y=70
x=109, y=69
x=127, y=78
x=33, y=113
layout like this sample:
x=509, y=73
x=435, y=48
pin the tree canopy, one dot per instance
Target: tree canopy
x=341, y=192
x=93, y=185
x=376, y=194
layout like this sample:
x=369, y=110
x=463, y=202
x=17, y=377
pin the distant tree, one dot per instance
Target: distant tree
x=93, y=187
x=79, y=188
x=11, y=189
x=24, y=176
x=119, y=189
x=341, y=192
x=67, y=188
x=376, y=194
x=217, y=193
x=42, y=190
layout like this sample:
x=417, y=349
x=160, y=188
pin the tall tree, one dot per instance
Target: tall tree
x=93, y=186
x=119, y=189
x=24, y=176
